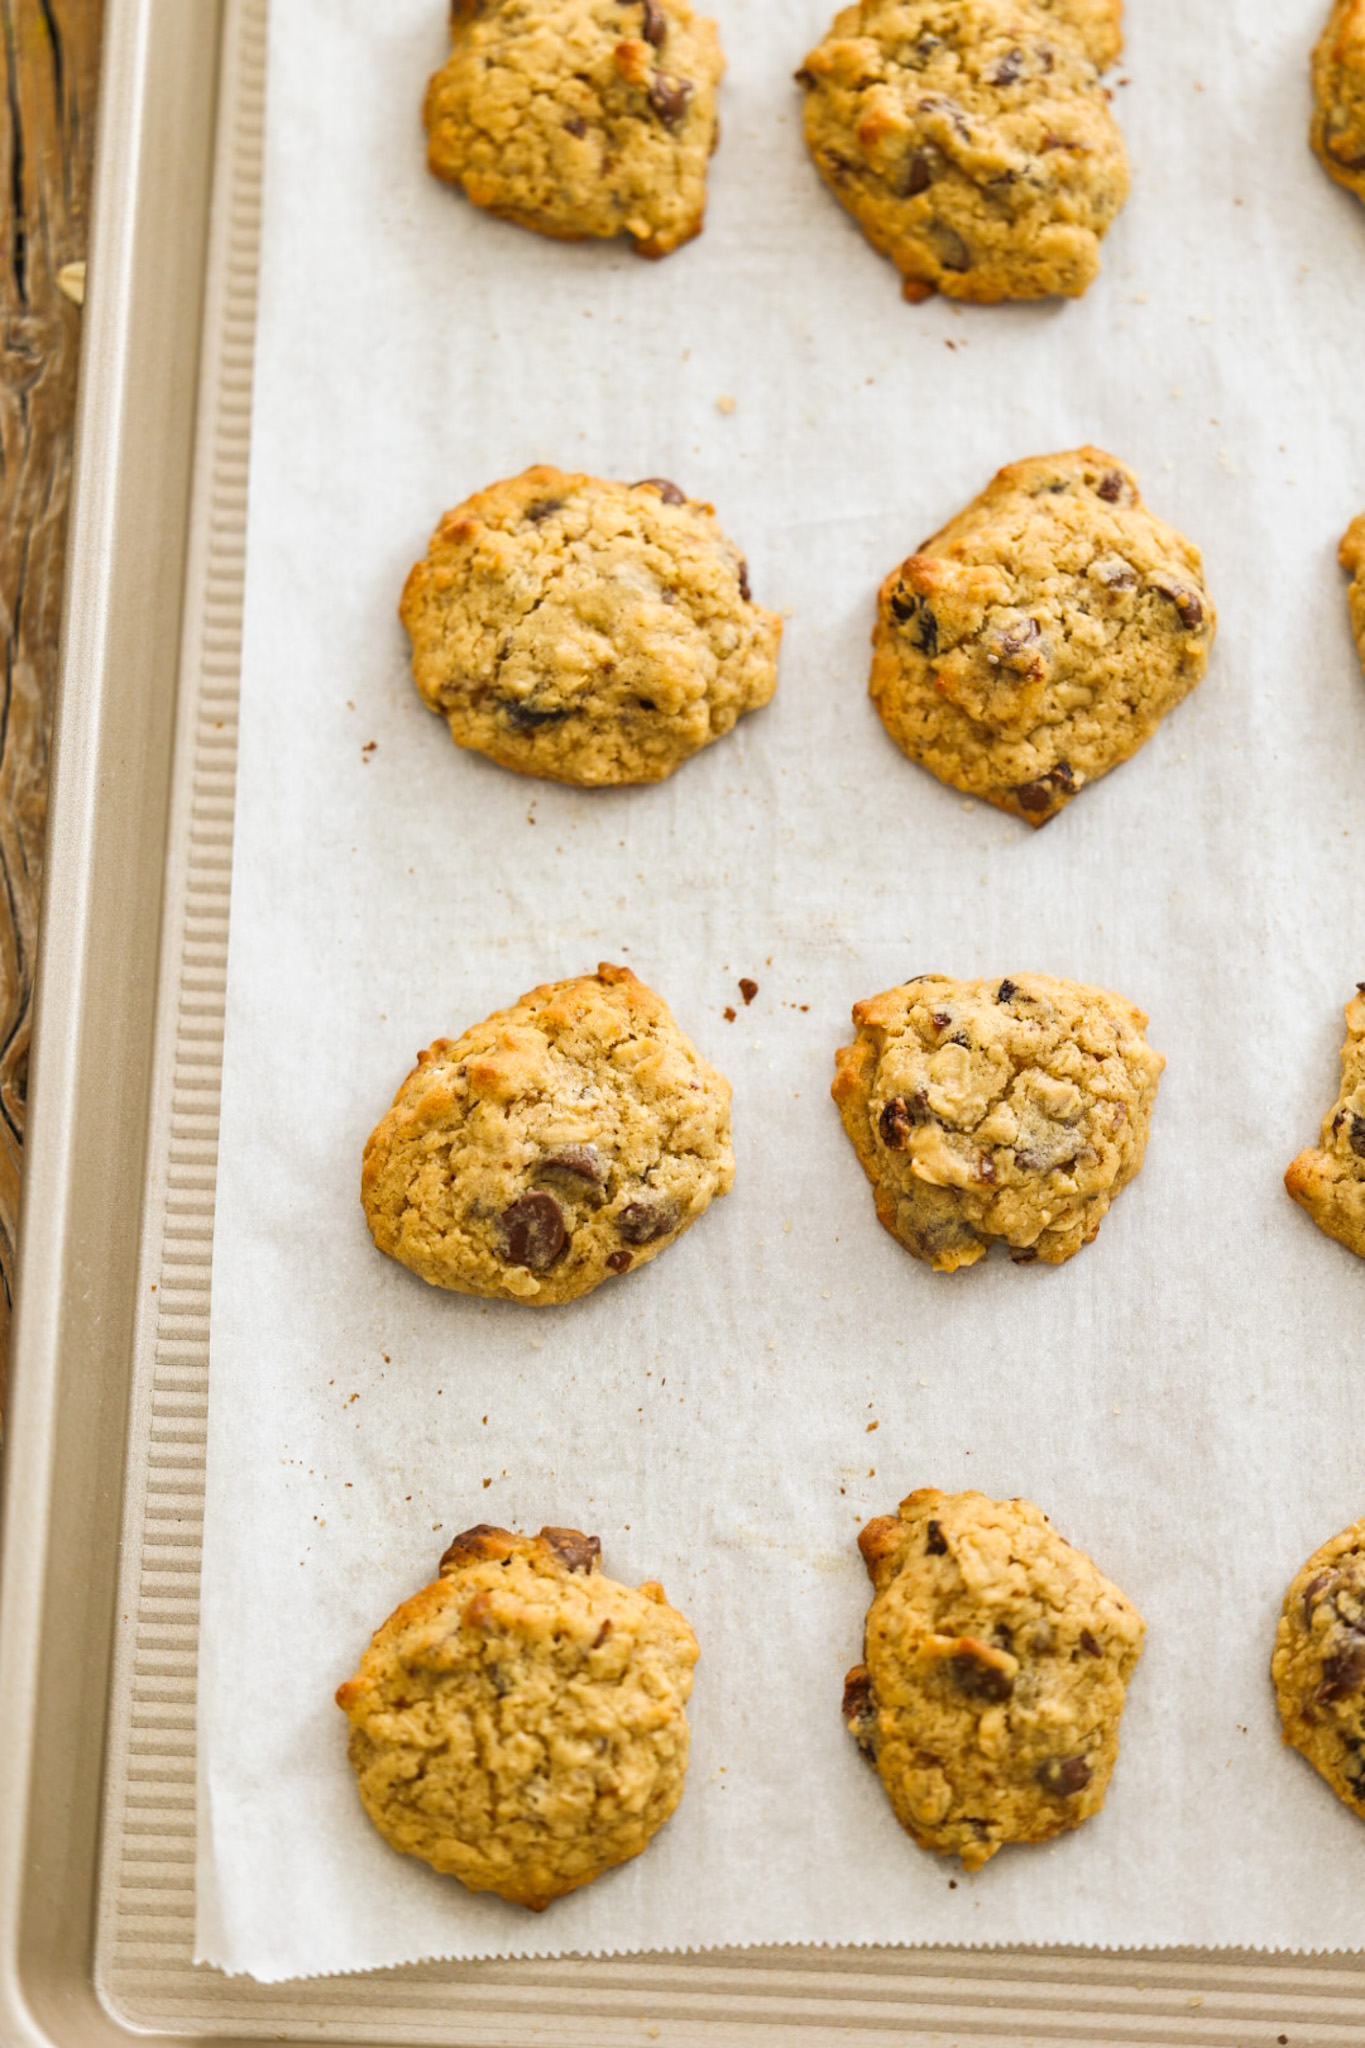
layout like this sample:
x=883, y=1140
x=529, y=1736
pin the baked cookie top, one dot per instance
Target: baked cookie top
x=972, y=142
x=996, y=1660
x=1318, y=1666
x=590, y=632
x=1353, y=559
x=521, y=1724
x=1338, y=127
x=1042, y=635
x=1329, y=1179
x=580, y=118
x=980, y=1110
x=554, y=1146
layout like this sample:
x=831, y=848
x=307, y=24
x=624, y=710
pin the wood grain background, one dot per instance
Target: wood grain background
x=47, y=118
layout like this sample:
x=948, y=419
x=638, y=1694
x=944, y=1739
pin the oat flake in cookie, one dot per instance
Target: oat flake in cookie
x=1040, y=638
x=521, y=1724
x=1318, y=1667
x=580, y=118
x=590, y=632
x=971, y=140
x=1011, y=1110
x=1338, y=128
x=1353, y=559
x=558, y=1144
x=996, y=1660
x=1329, y=1180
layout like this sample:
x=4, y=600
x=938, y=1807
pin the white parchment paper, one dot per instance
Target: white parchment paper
x=1186, y=1399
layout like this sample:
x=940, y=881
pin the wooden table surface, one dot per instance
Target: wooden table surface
x=51, y=72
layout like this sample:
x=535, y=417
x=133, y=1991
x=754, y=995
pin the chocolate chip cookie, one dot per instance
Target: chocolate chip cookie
x=580, y=118
x=1329, y=1181
x=996, y=1664
x=522, y=1723
x=1353, y=559
x=971, y=140
x=596, y=633
x=1338, y=128
x=1318, y=1667
x=558, y=1144
x=1041, y=636
x=1011, y=1110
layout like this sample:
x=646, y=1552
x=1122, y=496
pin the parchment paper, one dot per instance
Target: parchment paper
x=1185, y=1399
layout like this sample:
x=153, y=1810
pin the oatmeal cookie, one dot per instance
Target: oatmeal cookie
x=1014, y=1110
x=521, y=1724
x=1338, y=129
x=971, y=140
x=996, y=1664
x=1329, y=1181
x=580, y=118
x=554, y=1146
x=1318, y=1668
x=597, y=633
x=1040, y=637
x=1353, y=559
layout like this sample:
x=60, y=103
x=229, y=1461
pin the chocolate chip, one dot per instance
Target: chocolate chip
x=941, y=1020
x=578, y=1552
x=1064, y=1777
x=1089, y=1644
x=1006, y=992
x=1008, y=69
x=1042, y=794
x=937, y=1545
x=576, y=125
x=903, y=606
x=1019, y=637
x=474, y=1546
x=952, y=250
x=541, y=509
x=669, y=492
x=655, y=23
x=620, y=1262
x=645, y=1222
x=1315, y=1585
x=900, y=1117
x=978, y=1679
x=525, y=716
x=669, y=97
x=602, y=1634
x=1110, y=487
x=533, y=1232
x=917, y=176
x=744, y=589
x=1357, y=1136
x=857, y=1703
x=1186, y=603
x=748, y=989
x=985, y=1169
x=577, y=1162
x=1343, y=1672
x=928, y=632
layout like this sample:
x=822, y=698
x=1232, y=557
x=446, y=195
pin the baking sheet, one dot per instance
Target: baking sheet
x=1183, y=1398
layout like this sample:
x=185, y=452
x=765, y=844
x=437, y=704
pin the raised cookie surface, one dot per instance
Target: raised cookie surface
x=996, y=1660
x=1318, y=1666
x=1011, y=1110
x=597, y=633
x=971, y=140
x=1039, y=638
x=580, y=118
x=554, y=1146
x=1329, y=1179
x=521, y=1723
x=1353, y=559
x=1338, y=127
